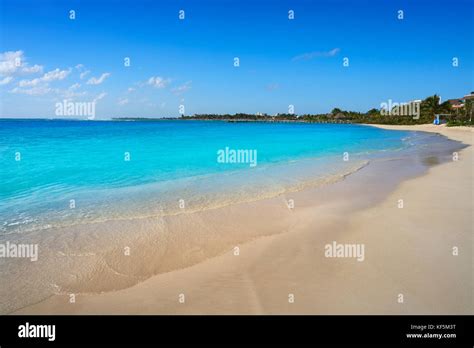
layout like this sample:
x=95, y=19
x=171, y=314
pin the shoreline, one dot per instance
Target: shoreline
x=272, y=265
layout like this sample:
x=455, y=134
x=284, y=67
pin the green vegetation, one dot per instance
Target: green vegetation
x=455, y=123
x=426, y=111
x=468, y=109
x=428, y=108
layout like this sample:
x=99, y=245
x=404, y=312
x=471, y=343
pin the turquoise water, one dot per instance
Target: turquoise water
x=85, y=161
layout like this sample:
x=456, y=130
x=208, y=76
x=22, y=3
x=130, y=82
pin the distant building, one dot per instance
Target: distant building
x=459, y=102
x=468, y=101
x=456, y=103
x=469, y=96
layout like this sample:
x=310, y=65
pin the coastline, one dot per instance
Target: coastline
x=273, y=265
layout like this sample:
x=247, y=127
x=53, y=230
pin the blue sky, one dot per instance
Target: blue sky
x=191, y=61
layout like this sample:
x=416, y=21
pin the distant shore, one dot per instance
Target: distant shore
x=409, y=251
x=231, y=120
x=276, y=119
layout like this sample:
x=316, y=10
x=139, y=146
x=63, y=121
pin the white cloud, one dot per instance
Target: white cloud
x=14, y=62
x=183, y=88
x=158, y=82
x=40, y=85
x=29, y=83
x=6, y=80
x=10, y=62
x=131, y=89
x=52, y=75
x=98, y=81
x=99, y=97
x=32, y=69
x=317, y=54
x=84, y=74
x=68, y=94
x=71, y=92
x=55, y=74
x=35, y=91
x=123, y=101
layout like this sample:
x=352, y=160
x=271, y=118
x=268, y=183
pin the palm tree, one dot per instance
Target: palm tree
x=431, y=107
x=468, y=108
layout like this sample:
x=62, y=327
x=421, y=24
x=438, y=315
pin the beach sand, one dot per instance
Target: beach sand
x=408, y=251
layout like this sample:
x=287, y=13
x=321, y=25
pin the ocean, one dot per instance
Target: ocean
x=67, y=172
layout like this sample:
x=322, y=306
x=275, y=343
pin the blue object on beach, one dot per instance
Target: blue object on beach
x=436, y=120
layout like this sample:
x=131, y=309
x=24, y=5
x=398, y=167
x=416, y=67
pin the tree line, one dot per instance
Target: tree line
x=426, y=112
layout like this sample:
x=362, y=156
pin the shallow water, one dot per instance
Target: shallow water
x=83, y=165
